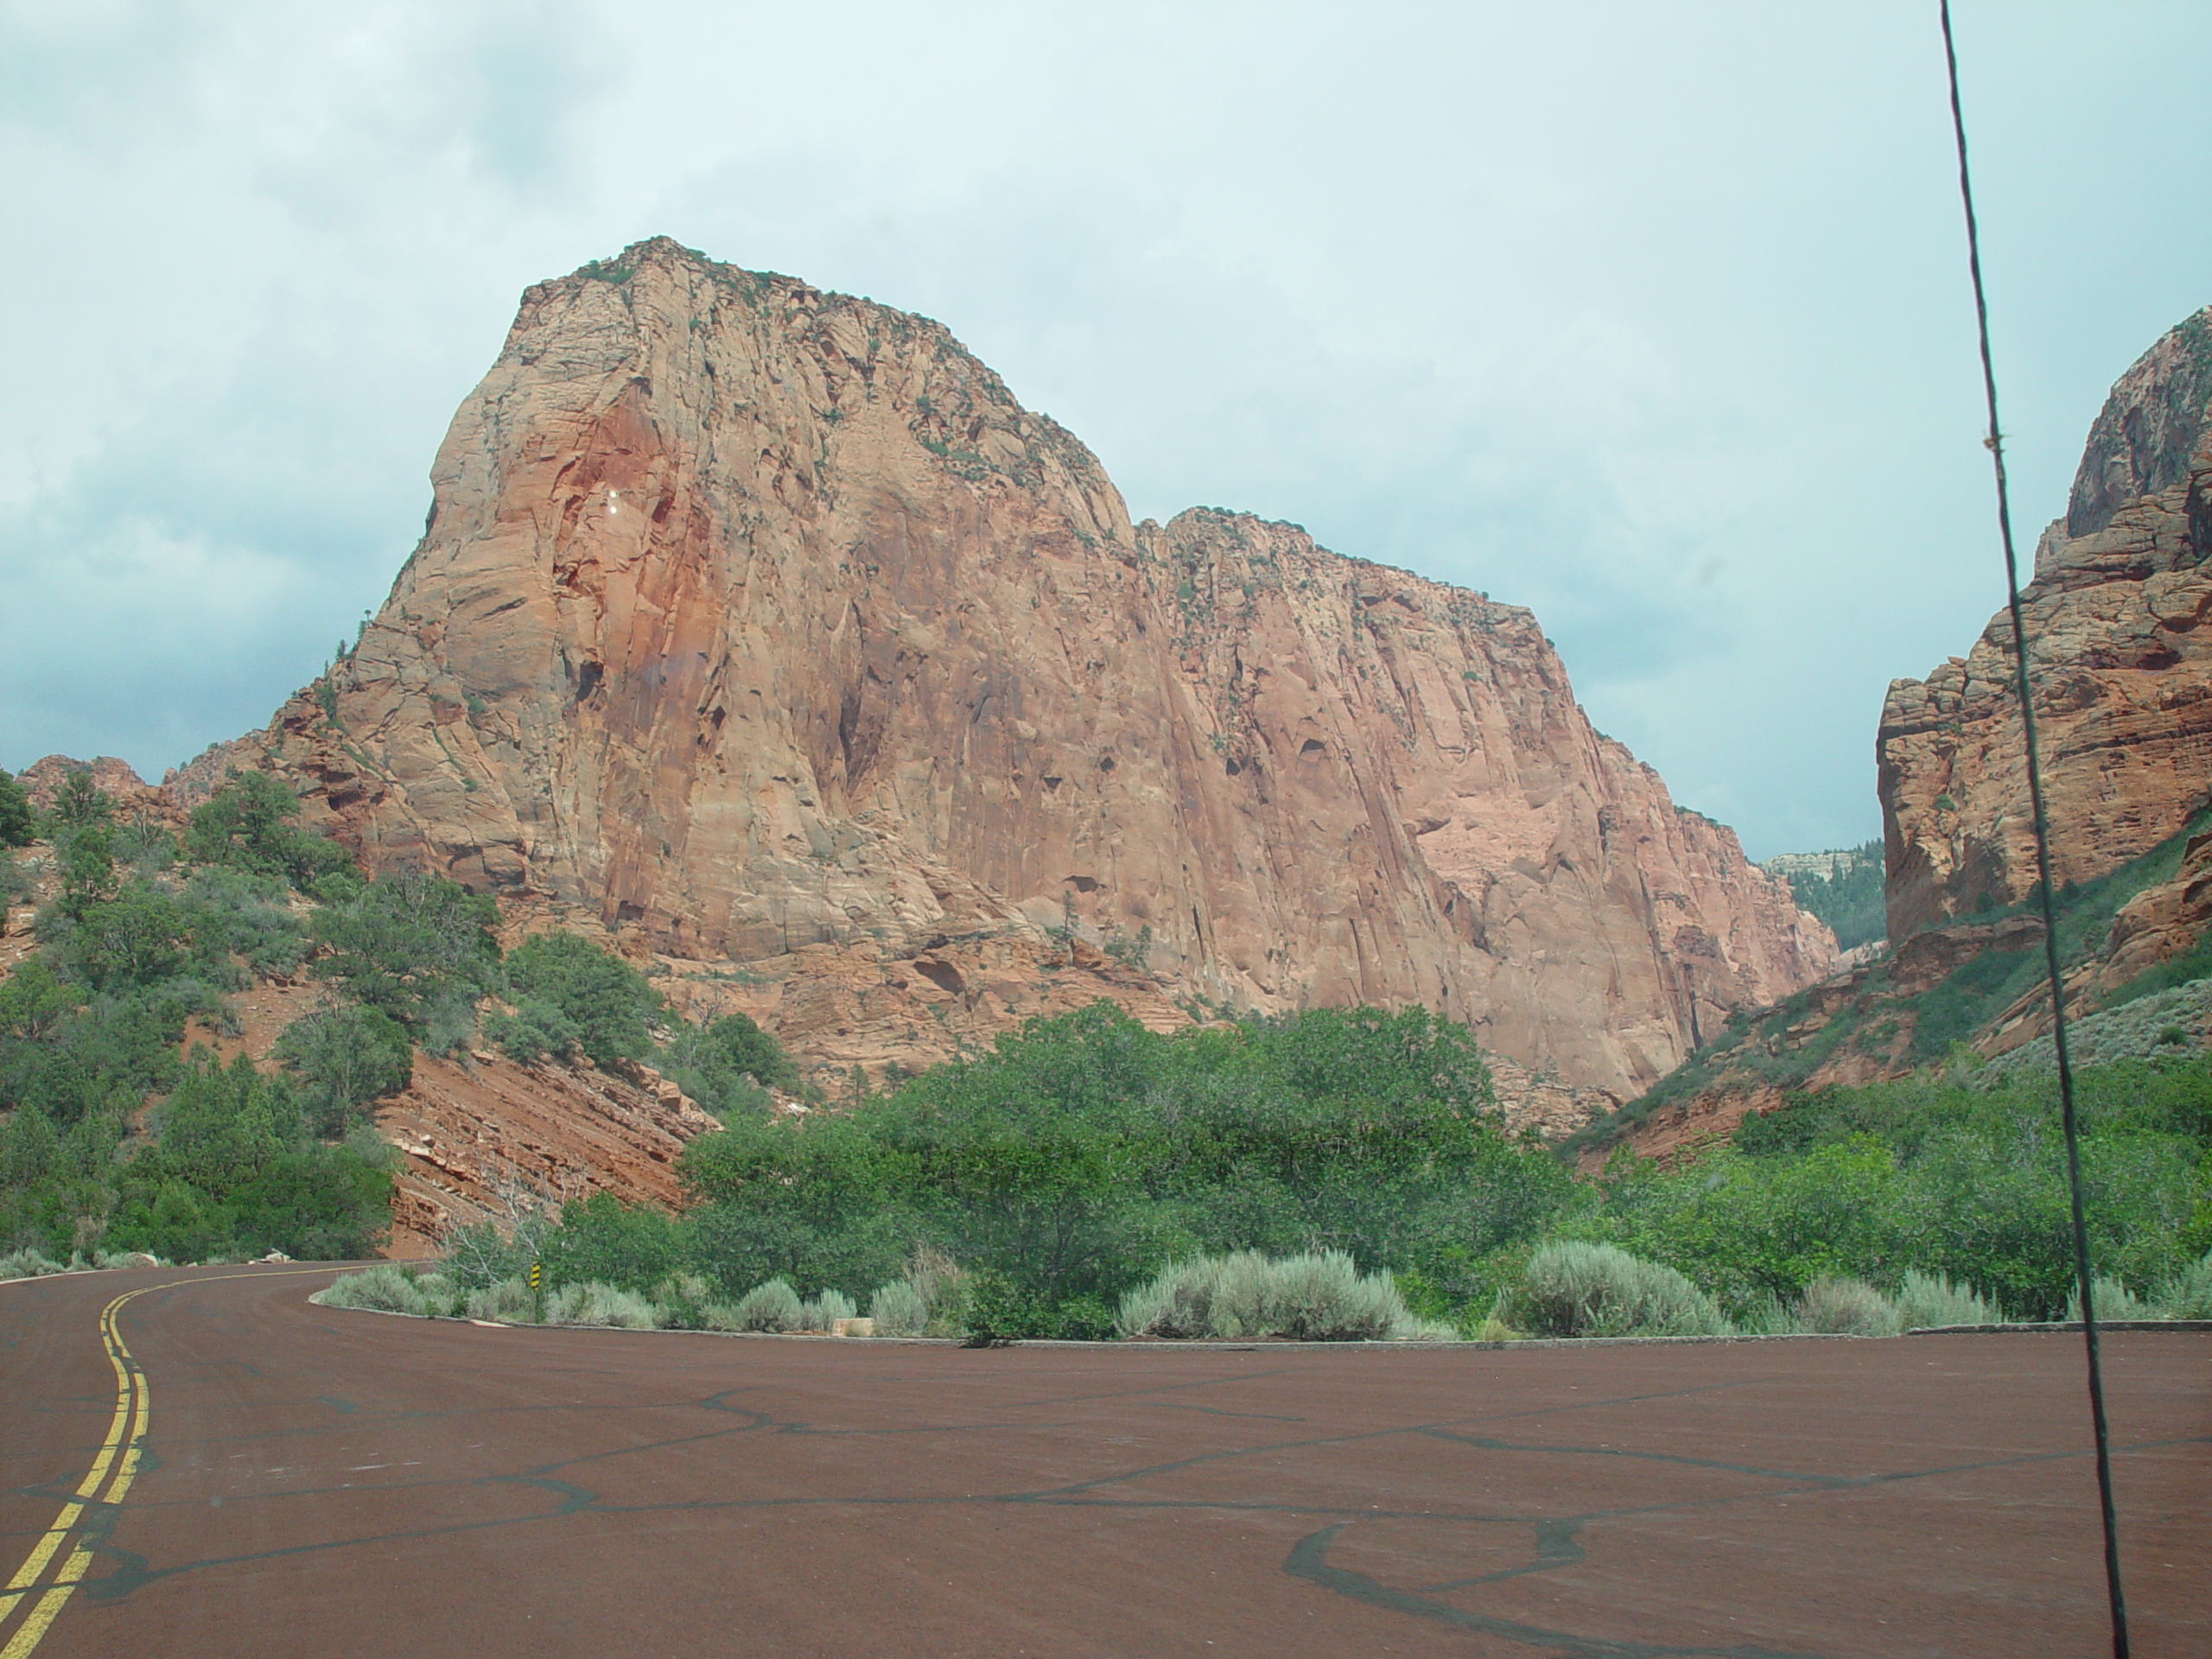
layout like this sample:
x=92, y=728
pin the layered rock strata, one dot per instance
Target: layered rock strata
x=764, y=619
x=2120, y=659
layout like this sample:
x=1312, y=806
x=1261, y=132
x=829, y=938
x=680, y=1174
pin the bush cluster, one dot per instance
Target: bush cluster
x=1314, y=1297
x=232, y=1163
x=1090, y=1177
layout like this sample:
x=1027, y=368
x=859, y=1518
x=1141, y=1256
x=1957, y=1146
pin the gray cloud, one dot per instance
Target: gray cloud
x=1653, y=319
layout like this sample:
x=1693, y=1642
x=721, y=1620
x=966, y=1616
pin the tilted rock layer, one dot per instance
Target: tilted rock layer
x=760, y=617
x=2120, y=627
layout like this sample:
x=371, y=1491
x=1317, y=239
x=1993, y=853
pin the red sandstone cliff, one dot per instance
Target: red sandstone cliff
x=757, y=618
x=2121, y=660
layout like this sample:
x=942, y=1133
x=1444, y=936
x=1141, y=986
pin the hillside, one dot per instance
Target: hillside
x=2122, y=667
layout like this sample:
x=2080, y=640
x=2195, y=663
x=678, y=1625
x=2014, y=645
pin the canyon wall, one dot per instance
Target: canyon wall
x=754, y=618
x=2121, y=662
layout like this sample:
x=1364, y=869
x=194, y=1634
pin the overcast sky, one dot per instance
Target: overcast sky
x=1651, y=317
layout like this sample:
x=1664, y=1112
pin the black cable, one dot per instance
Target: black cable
x=1996, y=443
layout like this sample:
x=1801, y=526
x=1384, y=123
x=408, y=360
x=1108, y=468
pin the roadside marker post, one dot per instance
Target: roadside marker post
x=537, y=1295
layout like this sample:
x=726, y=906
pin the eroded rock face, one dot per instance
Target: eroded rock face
x=2121, y=659
x=761, y=619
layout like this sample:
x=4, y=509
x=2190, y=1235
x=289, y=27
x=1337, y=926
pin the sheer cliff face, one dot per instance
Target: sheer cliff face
x=2121, y=656
x=762, y=617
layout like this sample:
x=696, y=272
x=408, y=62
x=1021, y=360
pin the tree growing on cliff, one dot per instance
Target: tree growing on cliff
x=247, y=824
x=18, y=821
x=348, y=1057
x=712, y=1063
x=568, y=991
x=408, y=943
x=79, y=801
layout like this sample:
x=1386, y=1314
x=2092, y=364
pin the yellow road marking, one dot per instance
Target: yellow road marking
x=120, y=1452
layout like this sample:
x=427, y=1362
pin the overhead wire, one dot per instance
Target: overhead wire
x=1995, y=443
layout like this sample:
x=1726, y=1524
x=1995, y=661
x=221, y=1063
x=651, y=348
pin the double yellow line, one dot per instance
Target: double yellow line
x=115, y=1466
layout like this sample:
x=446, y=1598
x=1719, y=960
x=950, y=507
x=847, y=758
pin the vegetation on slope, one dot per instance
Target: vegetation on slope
x=1847, y=896
x=115, y=1141
x=1084, y=1173
x=1786, y=1044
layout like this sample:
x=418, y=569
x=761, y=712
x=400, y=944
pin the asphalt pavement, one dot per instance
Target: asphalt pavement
x=203, y=1463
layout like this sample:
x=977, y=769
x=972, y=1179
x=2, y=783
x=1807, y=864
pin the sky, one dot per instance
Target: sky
x=1653, y=318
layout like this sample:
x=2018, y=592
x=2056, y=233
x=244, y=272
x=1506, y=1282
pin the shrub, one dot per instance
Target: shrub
x=235, y=914
x=27, y=1263
x=823, y=1311
x=482, y=1255
x=534, y=1030
x=510, y=1300
x=2187, y=1294
x=246, y=824
x=2114, y=1300
x=1769, y=1316
x=680, y=1302
x=1930, y=1298
x=1179, y=1302
x=899, y=1310
x=406, y=942
x=385, y=1288
x=1577, y=1289
x=1846, y=1308
x=772, y=1307
x=1310, y=1298
x=595, y=1303
x=1325, y=1298
x=713, y=1064
x=349, y=1057
x=600, y=1002
x=601, y=1238
x=18, y=822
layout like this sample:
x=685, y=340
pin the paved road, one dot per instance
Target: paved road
x=260, y=1476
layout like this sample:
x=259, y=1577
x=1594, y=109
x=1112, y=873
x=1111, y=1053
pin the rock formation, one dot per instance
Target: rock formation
x=2121, y=661
x=129, y=794
x=760, y=620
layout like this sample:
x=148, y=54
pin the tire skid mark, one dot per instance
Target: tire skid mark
x=1309, y=1560
x=1489, y=1444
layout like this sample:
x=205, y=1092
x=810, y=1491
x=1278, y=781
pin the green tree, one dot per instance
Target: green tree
x=348, y=1055
x=406, y=942
x=136, y=938
x=569, y=990
x=247, y=824
x=18, y=820
x=86, y=852
x=712, y=1062
x=79, y=802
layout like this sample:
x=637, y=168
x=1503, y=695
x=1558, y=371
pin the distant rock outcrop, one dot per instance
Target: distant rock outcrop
x=2121, y=658
x=764, y=621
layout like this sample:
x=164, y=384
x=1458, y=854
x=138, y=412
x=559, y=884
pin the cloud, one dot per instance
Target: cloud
x=1653, y=319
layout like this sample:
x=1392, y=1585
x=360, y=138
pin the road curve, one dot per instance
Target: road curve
x=231, y=1470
